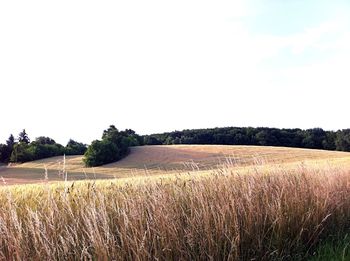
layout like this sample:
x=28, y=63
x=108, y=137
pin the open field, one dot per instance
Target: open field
x=181, y=203
x=269, y=214
x=160, y=160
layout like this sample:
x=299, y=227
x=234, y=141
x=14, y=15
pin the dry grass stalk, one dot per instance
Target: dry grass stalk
x=226, y=216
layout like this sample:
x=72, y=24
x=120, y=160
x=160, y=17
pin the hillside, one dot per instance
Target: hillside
x=228, y=203
x=151, y=160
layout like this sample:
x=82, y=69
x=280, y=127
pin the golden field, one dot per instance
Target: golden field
x=185, y=203
x=172, y=159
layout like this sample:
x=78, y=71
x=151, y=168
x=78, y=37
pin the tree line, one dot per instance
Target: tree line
x=115, y=144
x=315, y=138
x=21, y=149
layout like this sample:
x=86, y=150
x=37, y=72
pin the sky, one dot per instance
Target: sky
x=69, y=69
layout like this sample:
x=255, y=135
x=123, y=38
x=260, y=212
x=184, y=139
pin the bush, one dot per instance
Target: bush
x=22, y=152
x=75, y=148
x=101, y=152
x=113, y=146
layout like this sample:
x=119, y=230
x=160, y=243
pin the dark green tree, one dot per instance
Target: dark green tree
x=10, y=141
x=113, y=146
x=151, y=140
x=329, y=142
x=101, y=152
x=75, y=148
x=45, y=140
x=22, y=153
x=6, y=149
x=342, y=140
x=313, y=138
x=42, y=147
x=3, y=153
x=23, y=137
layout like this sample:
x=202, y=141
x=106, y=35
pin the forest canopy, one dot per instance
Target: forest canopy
x=315, y=138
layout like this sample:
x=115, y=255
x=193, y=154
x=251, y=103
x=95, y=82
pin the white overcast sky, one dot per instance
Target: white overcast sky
x=69, y=69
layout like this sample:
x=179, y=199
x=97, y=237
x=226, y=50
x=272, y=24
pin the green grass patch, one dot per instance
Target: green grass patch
x=333, y=250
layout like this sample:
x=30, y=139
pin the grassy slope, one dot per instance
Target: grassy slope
x=292, y=213
x=153, y=160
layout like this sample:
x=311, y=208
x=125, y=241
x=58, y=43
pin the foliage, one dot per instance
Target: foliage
x=4, y=155
x=101, y=152
x=113, y=146
x=315, y=138
x=23, y=137
x=75, y=148
x=22, y=152
x=337, y=248
x=152, y=140
x=342, y=140
x=118, y=142
x=45, y=140
x=6, y=149
x=42, y=147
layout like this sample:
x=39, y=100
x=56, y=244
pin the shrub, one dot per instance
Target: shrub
x=101, y=152
x=75, y=148
x=113, y=146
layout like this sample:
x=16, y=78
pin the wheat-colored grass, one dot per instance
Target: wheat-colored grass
x=157, y=160
x=243, y=214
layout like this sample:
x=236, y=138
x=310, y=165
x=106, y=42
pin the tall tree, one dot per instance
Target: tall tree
x=113, y=146
x=23, y=137
x=75, y=148
x=3, y=153
x=10, y=141
x=342, y=140
x=45, y=140
x=6, y=149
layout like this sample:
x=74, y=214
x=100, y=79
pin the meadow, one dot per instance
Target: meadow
x=205, y=203
x=172, y=159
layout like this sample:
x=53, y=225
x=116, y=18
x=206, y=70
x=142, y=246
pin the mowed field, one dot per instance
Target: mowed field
x=172, y=159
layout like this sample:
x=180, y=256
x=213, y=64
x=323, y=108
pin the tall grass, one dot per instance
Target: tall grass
x=225, y=216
